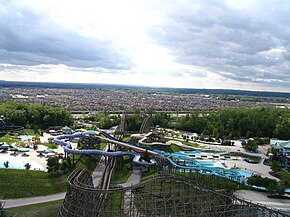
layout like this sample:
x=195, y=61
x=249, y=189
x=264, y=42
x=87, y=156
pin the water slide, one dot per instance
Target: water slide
x=168, y=143
x=68, y=149
x=191, y=164
x=188, y=164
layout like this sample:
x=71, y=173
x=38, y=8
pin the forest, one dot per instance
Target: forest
x=34, y=116
x=233, y=123
x=223, y=123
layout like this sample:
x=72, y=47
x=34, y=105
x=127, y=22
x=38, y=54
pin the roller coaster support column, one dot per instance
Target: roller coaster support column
x=89, y=162
x=73, y=160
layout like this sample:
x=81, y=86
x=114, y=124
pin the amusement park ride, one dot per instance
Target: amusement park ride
x=168, y=193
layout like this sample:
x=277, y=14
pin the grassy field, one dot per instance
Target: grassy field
x=121, y=176
x=83, y=162
x=148, y=174
x=22, y=183
x=49, y=209
x=51, y=145
x=126, y=138
x=9, y=140
x=103, y=145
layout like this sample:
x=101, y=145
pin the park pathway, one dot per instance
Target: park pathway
x=261, y=198
x=32, y=200
x=128, y=205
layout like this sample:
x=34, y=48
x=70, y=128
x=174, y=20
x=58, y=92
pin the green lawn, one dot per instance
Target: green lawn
x=82, y=164
x=175, y=148
x=121, y=176
x=103, y=145
x=126, y=138
x=22, y=183
x=51, y=145
x=148, y=174
x=49, y=209
x=9, y=140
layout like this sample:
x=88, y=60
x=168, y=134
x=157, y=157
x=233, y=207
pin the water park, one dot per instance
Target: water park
x=182, y=160
x=176, y=169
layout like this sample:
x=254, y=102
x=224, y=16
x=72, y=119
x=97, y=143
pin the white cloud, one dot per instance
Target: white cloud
x=239, y=44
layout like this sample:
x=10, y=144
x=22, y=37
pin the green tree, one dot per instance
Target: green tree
x=249, y=134
x=27, y=166
x=215, y=133
x=251, y=145
x=275, y=166
x=134, y=122
x=281, y=188
x=150, y=111
x=276, y=188
x=6, y=164
x=162, y=119
x=35, y=115
x=53, y=164
x=282, y=129
x=272, y=188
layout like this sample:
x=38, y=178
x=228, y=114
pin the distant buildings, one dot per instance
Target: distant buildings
x=281, y=144
x=118, y=100
x=283, y=154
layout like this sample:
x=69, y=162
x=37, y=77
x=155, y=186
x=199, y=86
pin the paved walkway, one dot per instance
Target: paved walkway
x=98, y=172
x=261, y=198
x=32, y=200
x=128, y=206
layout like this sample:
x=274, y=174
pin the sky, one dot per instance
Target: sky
x=215, y=44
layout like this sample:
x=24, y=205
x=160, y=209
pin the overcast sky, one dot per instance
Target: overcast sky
x=233, y=44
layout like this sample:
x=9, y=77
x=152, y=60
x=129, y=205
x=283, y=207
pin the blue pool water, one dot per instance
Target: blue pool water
x=195, y=152
x=244, y=173
x=18, y=163
x=209, y=164
x=209, y=149
x=25, y=137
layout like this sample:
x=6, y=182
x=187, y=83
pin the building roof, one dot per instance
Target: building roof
x=66, y=129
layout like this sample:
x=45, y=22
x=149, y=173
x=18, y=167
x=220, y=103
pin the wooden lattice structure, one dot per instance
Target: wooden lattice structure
x=165, y=195
x=146, y=125
x=122, y=126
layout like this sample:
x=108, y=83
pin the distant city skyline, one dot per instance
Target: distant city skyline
x=217, y=44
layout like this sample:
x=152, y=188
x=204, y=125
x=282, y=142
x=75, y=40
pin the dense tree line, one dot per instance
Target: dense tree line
x=35, y=116
x=104, y=120
x=224, y=123
x=134, y=121
x=241, y=122
x=162, y=119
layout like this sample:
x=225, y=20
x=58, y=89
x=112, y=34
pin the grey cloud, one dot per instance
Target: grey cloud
x=233, y=43
x=28, y=38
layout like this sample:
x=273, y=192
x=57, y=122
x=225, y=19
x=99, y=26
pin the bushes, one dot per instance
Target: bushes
x=251, y=145
x=56, y=168
x=259, y=181
x=271, y=185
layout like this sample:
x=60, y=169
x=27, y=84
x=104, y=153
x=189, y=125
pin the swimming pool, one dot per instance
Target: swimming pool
x=209, y=149
x=210, y=164
x=18, y=163
x=244, y=173
x=25, y=137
